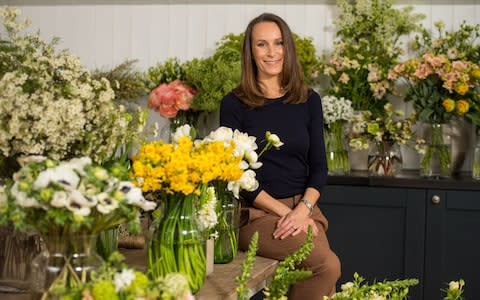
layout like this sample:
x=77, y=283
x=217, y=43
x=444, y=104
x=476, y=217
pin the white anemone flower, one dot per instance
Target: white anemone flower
x=180, y=132
x=123, y=279
x=106, y=204
x=82, y=200
x=61, y=174
x=59, y=199
x=22, y=199
x=78, y=164
x=134, y=196
x=77, y=209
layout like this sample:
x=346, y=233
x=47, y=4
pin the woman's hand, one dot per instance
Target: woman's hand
x=294, y=223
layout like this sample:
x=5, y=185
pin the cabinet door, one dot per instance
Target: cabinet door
x=376, y=232
x=452, y=242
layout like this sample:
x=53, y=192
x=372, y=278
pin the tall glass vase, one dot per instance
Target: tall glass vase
x=177, y=244
x=228, y=226
x=107, y=242
x=66, y=261
x=476, y=157
x=183, y=117
x=337, y=155
x=436, y=153
x=384, y=159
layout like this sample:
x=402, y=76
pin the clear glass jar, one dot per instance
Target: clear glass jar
x=476, y=157
x=337, y=155
x=437, y=152
x=384, y=159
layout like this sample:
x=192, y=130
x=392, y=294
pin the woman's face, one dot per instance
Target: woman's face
x=267, y=49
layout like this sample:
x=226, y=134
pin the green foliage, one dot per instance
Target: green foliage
x=213, y=77
x=308, y=59
x=241, y=280
x=286, y=273
x=125, y=82
x=359, y=290
x=165, y=72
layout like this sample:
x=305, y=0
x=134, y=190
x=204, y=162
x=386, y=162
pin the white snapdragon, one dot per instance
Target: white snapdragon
x=207, y=216
x=123, y=279
x=336, y=109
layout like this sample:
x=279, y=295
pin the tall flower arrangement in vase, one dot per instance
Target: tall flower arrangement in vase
x=227, y=230
x=442, y=83
x=178, y=174
x=366, y=47
x=336, y=113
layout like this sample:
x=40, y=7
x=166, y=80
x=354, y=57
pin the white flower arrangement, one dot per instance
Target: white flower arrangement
x=336, y=109
x=71, y=196
x=50, y=105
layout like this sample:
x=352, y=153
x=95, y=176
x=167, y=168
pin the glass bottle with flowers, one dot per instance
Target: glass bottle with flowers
x=178, y=174
x=387, y=132
x=69, y=203
x=228, y=205
x=336, y=112
x=442, y=83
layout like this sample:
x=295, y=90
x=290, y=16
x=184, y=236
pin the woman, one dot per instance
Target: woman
x=273, y=97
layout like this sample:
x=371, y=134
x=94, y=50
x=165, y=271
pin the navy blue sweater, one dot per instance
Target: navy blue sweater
x=300, y=162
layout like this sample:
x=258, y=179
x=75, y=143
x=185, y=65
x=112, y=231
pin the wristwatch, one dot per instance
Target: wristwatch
x=308, y=204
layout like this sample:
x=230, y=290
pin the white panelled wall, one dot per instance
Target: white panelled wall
x=104, y=33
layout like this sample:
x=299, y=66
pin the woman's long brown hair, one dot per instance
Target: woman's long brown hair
x=249, y=90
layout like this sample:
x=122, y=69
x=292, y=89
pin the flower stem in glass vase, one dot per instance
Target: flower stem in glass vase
x=177, y=245
x=337, y=156
x=228, y=211
x=437, y=154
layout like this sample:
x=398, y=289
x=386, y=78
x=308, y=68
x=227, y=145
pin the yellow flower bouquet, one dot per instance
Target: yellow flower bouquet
x=178, y=174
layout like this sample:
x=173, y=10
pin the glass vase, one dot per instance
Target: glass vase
x=66, y=261
x=177, y=245
x=107, y=242
x=183, y=117
x=476, y=157
x=17, y=250
x=436, y=153
x=228, y=226
x=384, y=159
x=336, y=152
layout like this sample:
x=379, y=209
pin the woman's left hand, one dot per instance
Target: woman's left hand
x=294, y=223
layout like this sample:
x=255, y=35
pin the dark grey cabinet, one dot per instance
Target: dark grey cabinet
x=389, y=230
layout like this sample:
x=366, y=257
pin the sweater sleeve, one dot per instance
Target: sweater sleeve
x=231, y=112
x=317, y=158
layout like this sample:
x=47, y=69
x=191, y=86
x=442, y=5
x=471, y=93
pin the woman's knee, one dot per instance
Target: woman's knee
x=326, y=263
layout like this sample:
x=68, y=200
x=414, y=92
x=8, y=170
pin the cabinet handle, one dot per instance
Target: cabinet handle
x=435, y=199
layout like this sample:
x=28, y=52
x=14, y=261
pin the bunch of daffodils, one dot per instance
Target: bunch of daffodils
x=50, y=104
x=67, y=197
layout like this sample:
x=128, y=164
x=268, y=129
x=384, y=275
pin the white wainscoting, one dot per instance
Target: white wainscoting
x=104, y=33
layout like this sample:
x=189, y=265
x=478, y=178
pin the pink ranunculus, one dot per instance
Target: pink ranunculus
x=184, y=94
x=163, y=100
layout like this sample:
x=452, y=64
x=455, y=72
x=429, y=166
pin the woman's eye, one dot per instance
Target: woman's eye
x=279, y=43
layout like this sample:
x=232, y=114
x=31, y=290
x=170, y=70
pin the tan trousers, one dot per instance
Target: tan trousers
x=323, y=263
